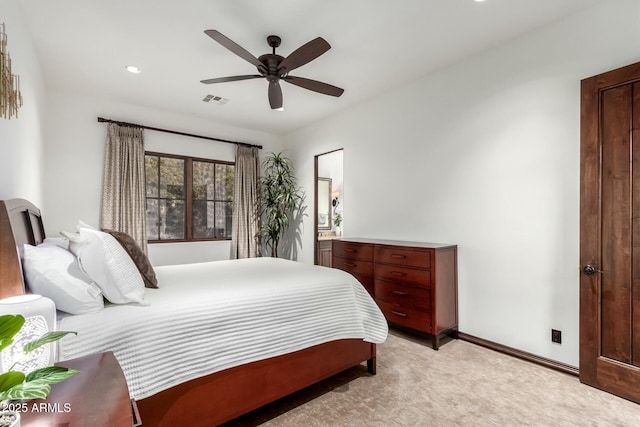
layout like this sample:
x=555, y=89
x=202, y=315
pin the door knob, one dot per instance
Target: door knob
x=590, y=269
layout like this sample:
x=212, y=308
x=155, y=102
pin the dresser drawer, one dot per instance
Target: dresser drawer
x=406, y=257
x=396, y=273
x=353, y=266
x=416, y=319
x=402, y=295
x=353, y=250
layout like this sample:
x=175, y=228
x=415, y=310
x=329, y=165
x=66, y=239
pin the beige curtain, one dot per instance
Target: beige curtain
x=123, y=183
x=244, y=243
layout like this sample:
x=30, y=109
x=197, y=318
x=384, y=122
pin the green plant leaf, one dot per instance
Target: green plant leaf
x=46, y=339
x=50, y=375
x=10, y=379
x=9, y=327
x=25, y=390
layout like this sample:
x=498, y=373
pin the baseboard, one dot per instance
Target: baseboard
x=567, y=369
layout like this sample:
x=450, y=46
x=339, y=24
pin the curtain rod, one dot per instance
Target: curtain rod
x=101, y=120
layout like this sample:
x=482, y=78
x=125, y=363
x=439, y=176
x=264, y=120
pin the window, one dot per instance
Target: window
x=188, y=198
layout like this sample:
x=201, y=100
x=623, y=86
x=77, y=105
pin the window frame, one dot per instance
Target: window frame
x=188, y=200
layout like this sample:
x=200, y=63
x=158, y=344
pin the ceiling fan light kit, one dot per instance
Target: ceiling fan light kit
x=275, y=68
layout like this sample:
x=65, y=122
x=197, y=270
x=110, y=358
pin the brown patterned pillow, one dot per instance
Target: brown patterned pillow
x=139, y=258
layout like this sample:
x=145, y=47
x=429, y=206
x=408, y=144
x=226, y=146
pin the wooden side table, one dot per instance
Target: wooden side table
x=97, y=396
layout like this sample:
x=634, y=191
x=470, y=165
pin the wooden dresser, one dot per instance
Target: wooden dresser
x=414, y=284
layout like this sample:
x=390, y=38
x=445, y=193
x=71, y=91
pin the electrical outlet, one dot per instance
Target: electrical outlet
x=556, y=336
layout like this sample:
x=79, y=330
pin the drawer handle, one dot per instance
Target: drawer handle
x=351, y=251
x=402, y=294
x=399, y=314
x=398, y=256
x=398, y=273
x=349, y=264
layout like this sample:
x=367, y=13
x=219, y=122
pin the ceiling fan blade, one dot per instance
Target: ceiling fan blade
x=304, y=54
x=235, y=48
x=231, y=79
x=275, y=95
x=315, y=85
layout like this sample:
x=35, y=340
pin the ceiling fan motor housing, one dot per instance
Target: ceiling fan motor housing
x=271, y=62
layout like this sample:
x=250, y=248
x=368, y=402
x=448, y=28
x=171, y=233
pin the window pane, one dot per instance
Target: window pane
x=210, y=199
x=199, y=192
x=203, y=180
x=151, y=171
x=224, y=182
x=153, y=219
x=171, y=178
x=172, y=219
x=203, y=220
x=223, y=219
x=228, y=208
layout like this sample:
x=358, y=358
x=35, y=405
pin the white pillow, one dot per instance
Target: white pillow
x=53, y=272
x=108, y=264
x=58, y=241
x=73, y=239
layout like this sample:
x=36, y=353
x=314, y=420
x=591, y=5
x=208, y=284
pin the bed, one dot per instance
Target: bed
x=223, y=385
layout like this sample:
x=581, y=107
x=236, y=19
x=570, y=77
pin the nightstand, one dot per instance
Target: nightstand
x=97, y=396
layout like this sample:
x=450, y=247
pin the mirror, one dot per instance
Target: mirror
x=324, y=203
x=327, y=211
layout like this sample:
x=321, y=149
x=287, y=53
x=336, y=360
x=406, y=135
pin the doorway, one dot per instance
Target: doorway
x=329, y=203
x=610, y=232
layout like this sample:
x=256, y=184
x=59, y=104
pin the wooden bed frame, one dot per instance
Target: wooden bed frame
x=212, y=399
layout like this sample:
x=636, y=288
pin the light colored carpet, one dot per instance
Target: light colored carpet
x=462, y=384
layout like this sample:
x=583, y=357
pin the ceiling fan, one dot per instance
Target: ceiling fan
x=274, y=67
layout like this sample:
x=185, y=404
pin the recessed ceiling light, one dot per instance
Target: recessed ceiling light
x=479, y=1
x=132, y=69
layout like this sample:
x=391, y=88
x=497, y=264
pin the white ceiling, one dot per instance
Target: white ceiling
x=83, y=45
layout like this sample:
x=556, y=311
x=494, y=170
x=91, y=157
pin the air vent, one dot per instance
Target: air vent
x=215, y=99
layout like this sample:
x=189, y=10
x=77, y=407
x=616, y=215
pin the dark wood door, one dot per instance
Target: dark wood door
x=610, y=232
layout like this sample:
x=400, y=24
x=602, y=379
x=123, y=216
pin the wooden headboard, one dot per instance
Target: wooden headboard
x=20, y=223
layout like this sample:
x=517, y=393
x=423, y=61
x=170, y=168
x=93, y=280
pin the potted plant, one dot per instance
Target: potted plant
x=337, y=220
x=279, y=198
x=15, y=385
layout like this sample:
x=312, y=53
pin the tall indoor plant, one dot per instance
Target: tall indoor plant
x=280, y=197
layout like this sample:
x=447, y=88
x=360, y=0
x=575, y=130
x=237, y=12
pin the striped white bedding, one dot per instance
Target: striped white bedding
x=212, y=316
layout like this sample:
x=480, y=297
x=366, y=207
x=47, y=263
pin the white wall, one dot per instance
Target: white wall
x=21, y=138
x=74, y=155
x=485, y=155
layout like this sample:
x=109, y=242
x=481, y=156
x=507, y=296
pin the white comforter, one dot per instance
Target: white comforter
x=212, y=316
